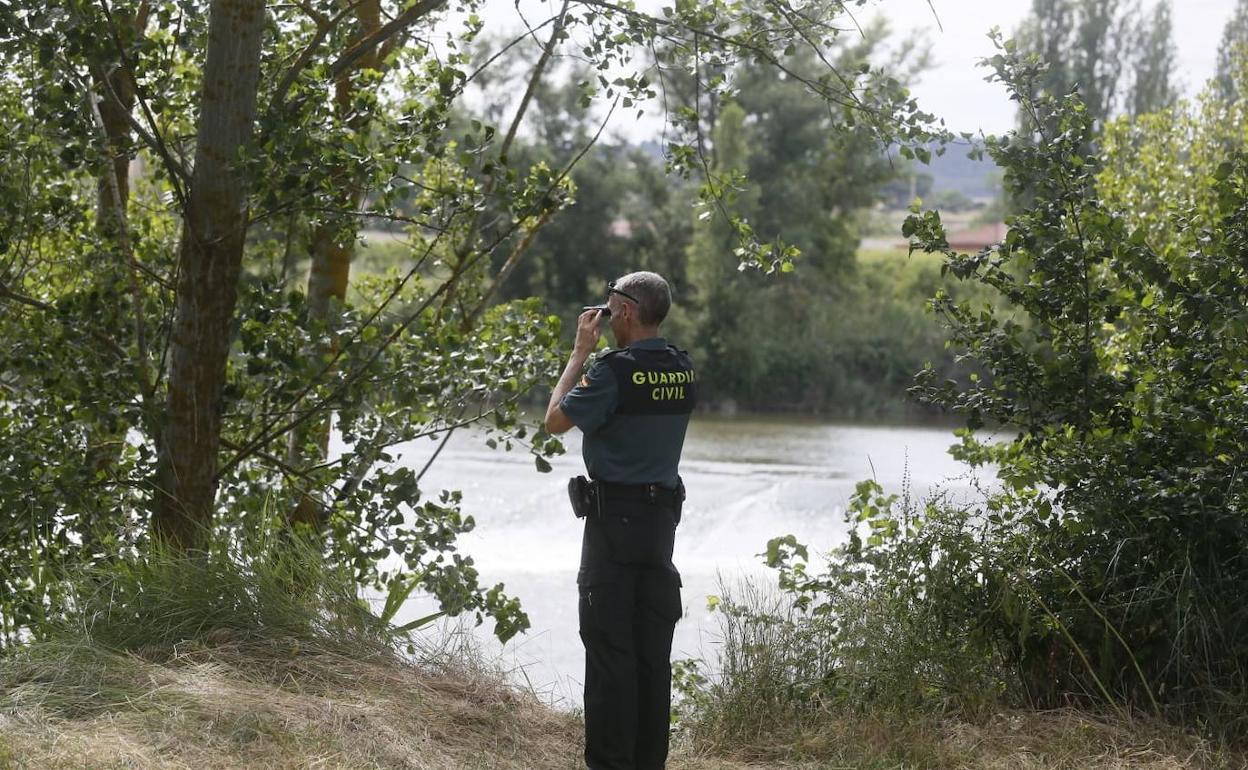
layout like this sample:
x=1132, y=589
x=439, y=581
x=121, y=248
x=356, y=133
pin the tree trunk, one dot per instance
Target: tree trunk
x=110, y=107
x=209, y=262
x=332, y=251
x=113, y=112
x=331, y=269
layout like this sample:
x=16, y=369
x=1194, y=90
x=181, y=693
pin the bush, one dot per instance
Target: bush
x=1108, y=568
x=279, y=589
x=774, y=664
x=274, y=601
x=894, y=622
x=1123, y=369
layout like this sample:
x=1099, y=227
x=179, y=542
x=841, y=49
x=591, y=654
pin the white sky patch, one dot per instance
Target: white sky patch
x=954, y=88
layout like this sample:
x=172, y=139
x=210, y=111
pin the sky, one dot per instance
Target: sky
x=954, y=88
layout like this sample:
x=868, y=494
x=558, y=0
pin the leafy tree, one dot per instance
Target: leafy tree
x=808, y=173
x=166, y=374
x=1084, y=44
x=1152, y=86
x=800, y=171
x=621, y=220
x=623, y=211
x=1231, y=51
x=1117, y=59
x=726, y=359
x=1119, y=534
x=1159, y=166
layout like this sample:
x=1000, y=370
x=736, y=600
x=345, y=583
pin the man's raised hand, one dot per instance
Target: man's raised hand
x=587, y=332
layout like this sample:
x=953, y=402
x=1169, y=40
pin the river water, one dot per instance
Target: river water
x=749, y=479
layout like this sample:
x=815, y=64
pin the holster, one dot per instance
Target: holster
x=680, y=486
x=582, y=495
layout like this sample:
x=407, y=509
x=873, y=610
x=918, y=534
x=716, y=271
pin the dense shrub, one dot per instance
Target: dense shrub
x=1126, y=380
x=1109, y=563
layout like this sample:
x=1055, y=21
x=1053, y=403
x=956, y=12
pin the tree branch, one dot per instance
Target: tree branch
x=6, y=292
x=514, y=42
x=146, y=386
x=506, y=270
x=275, y=461
x=150, y=140
x=465, y=246
x=400, y=22
x=177, y=171
x=538, y=70
x=788, y=15
x=270, y=430
x=763, y=53
x=111, y=344
x=323, y=27
x=464, y=265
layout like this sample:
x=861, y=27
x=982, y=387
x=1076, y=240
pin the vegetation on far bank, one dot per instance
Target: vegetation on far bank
x=876, y=335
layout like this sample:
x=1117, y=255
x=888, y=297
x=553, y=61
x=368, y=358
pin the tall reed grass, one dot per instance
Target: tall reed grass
x=260, y=602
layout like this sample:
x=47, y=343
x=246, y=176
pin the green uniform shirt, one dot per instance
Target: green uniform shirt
x=633, y=407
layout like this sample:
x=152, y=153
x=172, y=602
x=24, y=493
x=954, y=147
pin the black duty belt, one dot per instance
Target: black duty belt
x=652, y=493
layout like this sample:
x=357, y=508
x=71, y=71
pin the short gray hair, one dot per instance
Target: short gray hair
x=654, y=296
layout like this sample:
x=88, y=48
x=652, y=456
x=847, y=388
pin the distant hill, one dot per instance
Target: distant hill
x=954, y=171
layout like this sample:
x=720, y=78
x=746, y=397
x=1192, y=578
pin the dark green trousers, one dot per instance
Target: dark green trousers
x=629, y=602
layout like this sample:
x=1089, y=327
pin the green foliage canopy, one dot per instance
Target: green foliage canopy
x=1122, y=367
x=353, y=123
x=1107, y=563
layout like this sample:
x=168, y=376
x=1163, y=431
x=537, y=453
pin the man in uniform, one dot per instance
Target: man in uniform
x=633, y=407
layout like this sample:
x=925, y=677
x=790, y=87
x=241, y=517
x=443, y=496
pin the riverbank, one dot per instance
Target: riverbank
x=274, y=705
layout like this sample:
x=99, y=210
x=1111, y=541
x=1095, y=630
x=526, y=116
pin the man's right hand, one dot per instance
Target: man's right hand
x=587, y=332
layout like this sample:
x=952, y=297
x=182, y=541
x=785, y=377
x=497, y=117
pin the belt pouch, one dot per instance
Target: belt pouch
x=578, y=494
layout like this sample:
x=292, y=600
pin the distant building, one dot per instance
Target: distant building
x=620, y=228
x=978, y=238
x=972, y=240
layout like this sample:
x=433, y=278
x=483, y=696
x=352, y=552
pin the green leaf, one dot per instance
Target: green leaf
x=400, y=590
x=418, y=623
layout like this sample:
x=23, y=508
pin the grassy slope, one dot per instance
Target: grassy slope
x=277, y=706
x=1059, y=740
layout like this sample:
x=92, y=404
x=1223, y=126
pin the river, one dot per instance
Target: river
x=749, y=479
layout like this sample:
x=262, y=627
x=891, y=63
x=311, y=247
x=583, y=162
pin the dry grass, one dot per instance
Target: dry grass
x=279, y=706
x=229, y=707
x=1057, y=740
